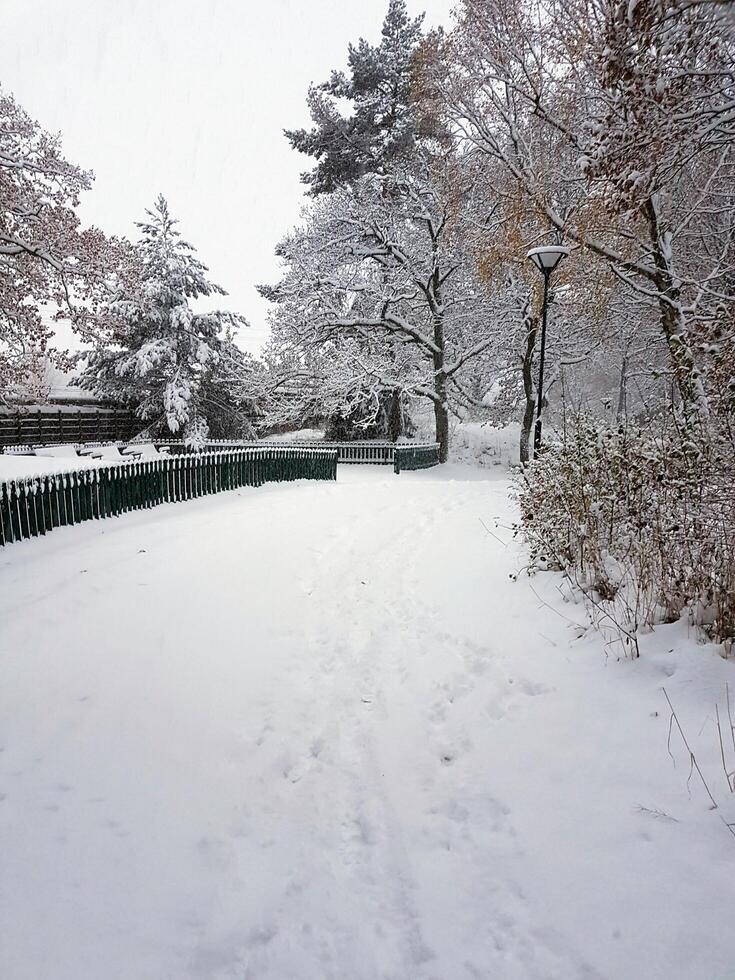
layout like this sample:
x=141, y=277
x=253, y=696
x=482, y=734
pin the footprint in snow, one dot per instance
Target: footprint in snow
x=265, y=732
x=495, y=709
x=438, y=712
x=500, y=705
x=532, y=688
x=449, y=753
x=457, y=686
x=295, y=770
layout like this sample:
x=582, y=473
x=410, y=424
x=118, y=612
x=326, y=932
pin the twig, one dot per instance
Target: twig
x=729, y=715
x=549, y=606
x=654, y=812
x=504, y=543
x=722, y=749
x=668, y=740
x=693, y=764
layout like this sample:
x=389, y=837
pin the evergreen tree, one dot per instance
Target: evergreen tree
x=382, y=126
x=159, y=354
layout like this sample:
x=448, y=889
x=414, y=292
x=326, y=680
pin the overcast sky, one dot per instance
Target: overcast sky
x=188, y=97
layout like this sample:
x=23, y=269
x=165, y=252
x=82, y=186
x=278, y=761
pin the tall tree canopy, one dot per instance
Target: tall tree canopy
x=381, y=126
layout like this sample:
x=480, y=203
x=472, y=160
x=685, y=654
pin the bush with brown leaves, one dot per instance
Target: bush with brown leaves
x=642, y=521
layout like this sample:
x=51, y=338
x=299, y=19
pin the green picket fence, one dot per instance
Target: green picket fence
x=415, y=457
x=32, y=507
x=367, y=451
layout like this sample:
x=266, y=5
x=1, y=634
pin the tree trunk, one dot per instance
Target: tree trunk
x=441, y=415
x=526, y=429
x=395, y=416
x=441, y=419
x=622, y=411
x=686, y=373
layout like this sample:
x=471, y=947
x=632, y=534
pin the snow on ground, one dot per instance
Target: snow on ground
x=298, y=434
x=62, y=459
x=473, y=443
x=317, y=732
x=483, y=445
x=24, y=467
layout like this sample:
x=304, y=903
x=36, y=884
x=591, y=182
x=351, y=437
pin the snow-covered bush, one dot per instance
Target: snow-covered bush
x=643, y=521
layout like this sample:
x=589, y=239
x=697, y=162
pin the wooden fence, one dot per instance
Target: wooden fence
x=380, y=453
x=32, y=507
x=415, y=457
x=44, y=426
x=376, y=453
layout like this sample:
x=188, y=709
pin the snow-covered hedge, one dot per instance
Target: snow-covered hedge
x=643, y=522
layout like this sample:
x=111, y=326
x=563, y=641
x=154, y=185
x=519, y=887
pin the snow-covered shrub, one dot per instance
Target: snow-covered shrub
x=643, y=521
x=373, y=413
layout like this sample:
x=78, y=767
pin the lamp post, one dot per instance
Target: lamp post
x=545, y=258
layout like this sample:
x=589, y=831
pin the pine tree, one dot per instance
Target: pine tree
x=160, y=355
x=383, y=125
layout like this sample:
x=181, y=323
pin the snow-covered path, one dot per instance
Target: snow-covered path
x=316, y=731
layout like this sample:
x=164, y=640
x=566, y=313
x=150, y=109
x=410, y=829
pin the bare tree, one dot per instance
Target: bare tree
x=382, y=265
x=615, y=122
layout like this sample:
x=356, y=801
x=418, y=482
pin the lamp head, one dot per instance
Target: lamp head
x=547, y=257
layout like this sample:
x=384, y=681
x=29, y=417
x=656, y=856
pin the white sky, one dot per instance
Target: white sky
x=188, y=97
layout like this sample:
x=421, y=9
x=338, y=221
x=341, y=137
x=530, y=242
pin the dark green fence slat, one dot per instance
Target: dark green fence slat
x=415, y=457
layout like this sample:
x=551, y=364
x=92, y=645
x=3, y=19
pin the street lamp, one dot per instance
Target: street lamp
x=546, y=258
